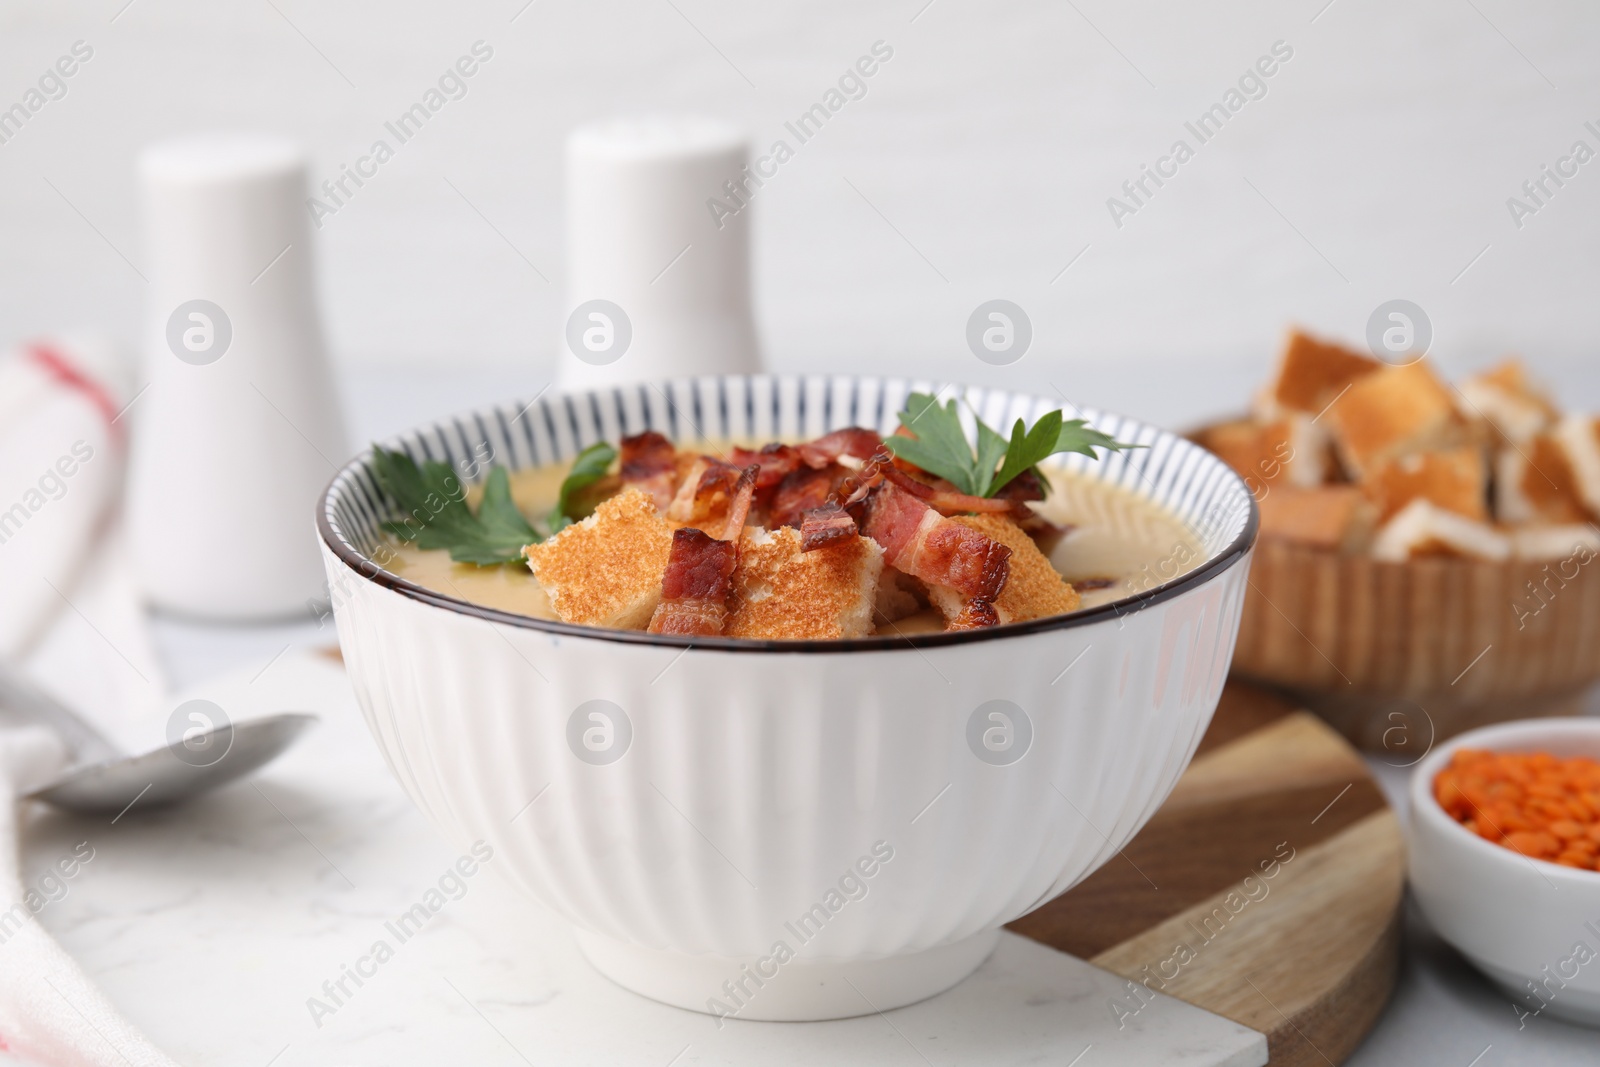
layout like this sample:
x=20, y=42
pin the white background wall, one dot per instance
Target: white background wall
x=1377, y=166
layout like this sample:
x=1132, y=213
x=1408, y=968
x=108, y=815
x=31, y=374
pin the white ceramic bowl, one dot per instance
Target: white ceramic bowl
x=788, y=830
x=1527, y=924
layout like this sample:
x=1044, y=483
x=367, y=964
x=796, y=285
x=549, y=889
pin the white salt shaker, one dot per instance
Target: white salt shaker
x=239, y=426
x=658, y=251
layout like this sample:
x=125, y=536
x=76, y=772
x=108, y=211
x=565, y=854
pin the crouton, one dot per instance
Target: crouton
x=1578, y=437
x=1238, y=443
x=1334, y=517
x=1455, y=479
x=1394, y=411
x=1422, y=528
x=1291, y=449
x=782, y=593
x=1508, y=402
x=1311, y=373
x=1033, y=588
x=1580, y=540
x=1534, y=482
x=606, y=570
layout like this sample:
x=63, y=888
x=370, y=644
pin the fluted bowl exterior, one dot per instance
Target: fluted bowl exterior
x=879, y=797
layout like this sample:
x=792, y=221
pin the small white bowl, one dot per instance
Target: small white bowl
x=1531, y=926
x=702, y=808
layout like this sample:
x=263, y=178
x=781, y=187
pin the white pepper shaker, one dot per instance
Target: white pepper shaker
x=239, y=427
x=658, y=251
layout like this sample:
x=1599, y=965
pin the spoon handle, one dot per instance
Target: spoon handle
x=22, y=701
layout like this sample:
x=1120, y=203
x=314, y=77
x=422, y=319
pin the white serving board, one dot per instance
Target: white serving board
x=213, y=926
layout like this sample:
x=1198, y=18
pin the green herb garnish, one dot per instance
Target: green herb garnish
x=590, y=466
x=941, y=447
x=437, y=516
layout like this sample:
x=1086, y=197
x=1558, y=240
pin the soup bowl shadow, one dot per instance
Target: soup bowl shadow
x=787, y=830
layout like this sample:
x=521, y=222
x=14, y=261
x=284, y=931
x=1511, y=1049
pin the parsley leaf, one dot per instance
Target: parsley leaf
x=437, y=516
x=1027, y=447
x=941, y=447
x=992, y=448
x=504, y=530
x=589, y=467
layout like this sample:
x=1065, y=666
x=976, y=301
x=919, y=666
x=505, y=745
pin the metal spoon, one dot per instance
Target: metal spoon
x=102, y=777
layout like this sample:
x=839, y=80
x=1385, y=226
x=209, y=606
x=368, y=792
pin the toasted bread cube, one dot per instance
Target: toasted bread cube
x=1033, y=588
x=1394, y=411
x=1422, y=528
x=1456, y=479
x=1508, y=401
x=606, y=570
x=1311, y=373
x=1334, y=517
x=1291, y=449
x=1310, y=460
x=1534, y=482
x=1578, y=437
x=1579, y=540
x=1238, y=444
x=782, y=593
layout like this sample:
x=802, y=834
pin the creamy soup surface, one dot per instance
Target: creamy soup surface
x=1119, y=544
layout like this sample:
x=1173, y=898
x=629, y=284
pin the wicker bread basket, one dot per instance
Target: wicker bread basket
x=1399, y=655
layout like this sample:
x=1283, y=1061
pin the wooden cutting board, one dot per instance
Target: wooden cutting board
x=1267, y=889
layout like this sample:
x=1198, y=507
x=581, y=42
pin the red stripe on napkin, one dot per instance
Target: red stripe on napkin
x=62, y=369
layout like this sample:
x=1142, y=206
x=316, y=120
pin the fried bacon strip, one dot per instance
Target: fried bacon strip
x=1022, y=489
x=918, y=540
x=857, y=484
x=714, y=495
x=681, y=507
x=650, y=462
x=829, y=524
x=941, y=496
x=975, y=615
x=787, y=470
x=801, y=491
x=740, y=497
x=946, y=501
x=694, y=589
x=700, y=564
x=776, y=461
x=881, y=472
x=853, y=441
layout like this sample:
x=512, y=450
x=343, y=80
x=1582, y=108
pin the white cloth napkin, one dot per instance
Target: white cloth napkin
x=70, y=618
x=69, y=614
x=49, y=1010
x=61, y=459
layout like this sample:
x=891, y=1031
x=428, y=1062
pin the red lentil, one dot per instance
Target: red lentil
x=1531, y=802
